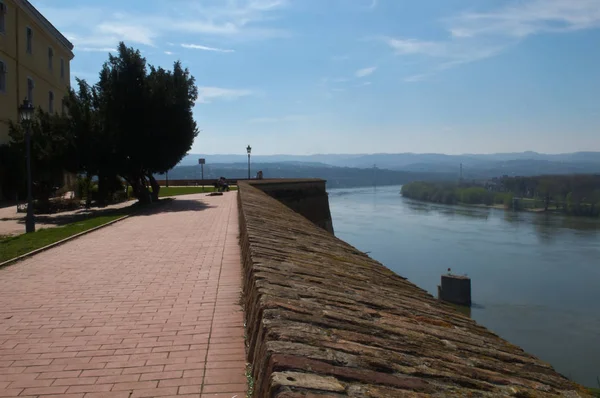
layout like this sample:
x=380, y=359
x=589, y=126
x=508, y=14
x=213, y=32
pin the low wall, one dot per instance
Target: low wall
x=325, y=320
x=305, y=196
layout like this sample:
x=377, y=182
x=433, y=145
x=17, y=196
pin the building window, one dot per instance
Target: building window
x=2, y=77
x=50, y=102
x=30, y=87
x=29, y=36
x=62, y=68
x=50, y=58
x=2, y=17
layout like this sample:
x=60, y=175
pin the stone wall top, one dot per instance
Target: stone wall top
x=325, y=320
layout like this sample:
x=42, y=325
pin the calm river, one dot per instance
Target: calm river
x=535, y=278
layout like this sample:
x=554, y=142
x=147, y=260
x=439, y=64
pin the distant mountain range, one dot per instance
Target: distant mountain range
x=337, y=177
x=384, y=169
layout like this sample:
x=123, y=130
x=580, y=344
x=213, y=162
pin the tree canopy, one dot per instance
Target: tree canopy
x=134, y=122
x=145, y=118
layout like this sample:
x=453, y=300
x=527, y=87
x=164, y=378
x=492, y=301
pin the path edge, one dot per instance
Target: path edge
x=7, y=263
x=60, y=242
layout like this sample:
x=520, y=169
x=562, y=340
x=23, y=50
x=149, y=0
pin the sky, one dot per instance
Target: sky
x=364, y=76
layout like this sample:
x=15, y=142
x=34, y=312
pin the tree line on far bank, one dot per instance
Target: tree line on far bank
x=136, y=121
x=569, y=194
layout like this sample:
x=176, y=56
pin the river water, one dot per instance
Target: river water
x=535, y=278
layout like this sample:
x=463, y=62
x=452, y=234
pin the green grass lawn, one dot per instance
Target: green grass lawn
x=595, y=391
x=14, y=246
x=175, y=191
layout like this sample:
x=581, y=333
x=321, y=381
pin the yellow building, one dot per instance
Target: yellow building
x=34, y=62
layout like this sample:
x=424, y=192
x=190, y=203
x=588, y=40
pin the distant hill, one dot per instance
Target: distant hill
x=398, y=160
x=428, y=165
x=337, y=177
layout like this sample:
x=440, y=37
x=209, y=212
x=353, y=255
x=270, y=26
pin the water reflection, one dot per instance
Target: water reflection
x=547, y=226
x=449, y=211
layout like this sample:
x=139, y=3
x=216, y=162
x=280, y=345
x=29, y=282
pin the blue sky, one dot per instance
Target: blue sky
x=364, y=76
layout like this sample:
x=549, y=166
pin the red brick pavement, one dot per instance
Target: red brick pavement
x=147, y=307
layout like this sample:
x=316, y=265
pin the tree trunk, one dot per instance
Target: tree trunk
x=155, y=187
x=103, y=190
x=88, y=191
x=140, y=191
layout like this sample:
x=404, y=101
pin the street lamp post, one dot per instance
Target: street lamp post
x=26, y=114
x=249, y=150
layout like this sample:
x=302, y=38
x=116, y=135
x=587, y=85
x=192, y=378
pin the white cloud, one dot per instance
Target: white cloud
x=207, y=94
x=106, y=26
x=455, y=52
x=365, y=71
x=136, y=33
x=474, y=36
x=363, y=84
x=416, y=78
x=205, y=48
x=414, y=46
x=97, y=49
x=530, y=17
x=169, y=52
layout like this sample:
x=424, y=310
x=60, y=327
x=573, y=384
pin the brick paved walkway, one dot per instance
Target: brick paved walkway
x=147, y=307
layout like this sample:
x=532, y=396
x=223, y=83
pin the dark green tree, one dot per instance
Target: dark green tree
x=51, y=141
x=146, y=118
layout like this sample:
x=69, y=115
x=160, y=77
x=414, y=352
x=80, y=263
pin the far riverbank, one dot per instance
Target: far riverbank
x=580, y=199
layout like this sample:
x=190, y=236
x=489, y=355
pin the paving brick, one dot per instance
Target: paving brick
x=138, y=385
x=102, y=372
x=10, y=392
x=118, y=379
x=224, y=378
x=76, y=381
x=44, y=390
x=31, y=383
x=154, y=392
x=59, y=375
x=112, y=394
x=224, y=388
x=197, y=389
x=186, y=366
x=224, y=365
x=129, y=309
x=181, y=382
x=144, y=369
x=175, y=374
x=90, y=388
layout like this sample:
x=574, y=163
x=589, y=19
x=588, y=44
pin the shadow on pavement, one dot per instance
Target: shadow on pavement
x=174, y=206
x=171, y=206
x=58, y=219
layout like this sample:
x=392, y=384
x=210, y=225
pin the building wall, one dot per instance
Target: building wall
x=22, y=65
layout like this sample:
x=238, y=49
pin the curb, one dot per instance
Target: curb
x=162, y=202
x=60, y=242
